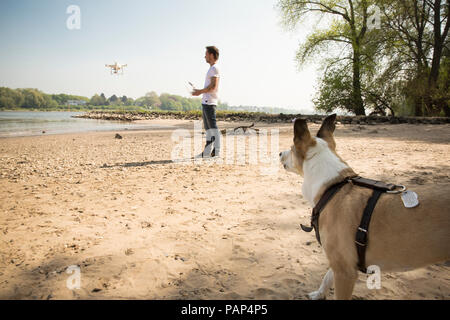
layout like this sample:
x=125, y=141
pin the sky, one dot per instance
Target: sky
x=163, y=43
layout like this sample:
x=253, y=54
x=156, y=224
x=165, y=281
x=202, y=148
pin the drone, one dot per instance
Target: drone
x=115, y=68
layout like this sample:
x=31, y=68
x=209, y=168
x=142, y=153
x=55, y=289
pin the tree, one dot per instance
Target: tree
x=442, y=96
x=61, y=99
x=130, y=101
x=10, y=99
x=416, y=35
x=441, y=26
x=104, y=100
x=335, y=90
x=152, y=100
x=170, y=102
x=96, y=100
x=113, y=100
x=347, y=31
x=33, y=98
x=49, y=102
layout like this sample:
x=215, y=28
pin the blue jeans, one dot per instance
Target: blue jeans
x=212, y=132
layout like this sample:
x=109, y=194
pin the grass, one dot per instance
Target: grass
x=220, y=114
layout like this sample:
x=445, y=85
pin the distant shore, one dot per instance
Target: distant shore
x=230, y=116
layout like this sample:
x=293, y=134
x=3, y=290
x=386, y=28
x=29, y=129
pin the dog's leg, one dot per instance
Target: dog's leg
x=344, y=284
x=327, y=282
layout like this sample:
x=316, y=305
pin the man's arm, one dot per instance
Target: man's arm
x=212, y=87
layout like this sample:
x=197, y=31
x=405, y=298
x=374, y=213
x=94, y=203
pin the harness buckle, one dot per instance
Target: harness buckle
x=402, y=189
x=361, y=237
x=306, y=229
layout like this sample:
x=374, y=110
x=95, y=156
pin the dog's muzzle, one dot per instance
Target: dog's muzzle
x=284, y=156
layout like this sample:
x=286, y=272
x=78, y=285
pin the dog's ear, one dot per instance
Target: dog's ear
x=328, y=126
x=327, y=129
x=301, y=131
x=302, y=138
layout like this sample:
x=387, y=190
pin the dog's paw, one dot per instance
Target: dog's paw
x=317, y=295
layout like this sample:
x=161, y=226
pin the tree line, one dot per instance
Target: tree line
x=33, y=99
x=11, y=99
x=36, y=99
x=150, y=101
x=376, y=56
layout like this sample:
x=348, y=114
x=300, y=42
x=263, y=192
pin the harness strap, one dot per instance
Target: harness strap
x=378, y=188
x=363, y=229
x=373, y=184
x=327, y=196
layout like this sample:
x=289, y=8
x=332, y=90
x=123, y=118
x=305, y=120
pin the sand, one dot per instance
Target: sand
x=141, y=227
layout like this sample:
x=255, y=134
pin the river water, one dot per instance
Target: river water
x=24, y=123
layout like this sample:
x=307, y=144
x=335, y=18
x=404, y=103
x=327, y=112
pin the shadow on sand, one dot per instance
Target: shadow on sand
x=146, y=163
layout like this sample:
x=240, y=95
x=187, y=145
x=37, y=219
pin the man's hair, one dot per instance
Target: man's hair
x=214, y=51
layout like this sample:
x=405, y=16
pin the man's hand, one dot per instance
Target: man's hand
x=197, y=92
x=212, y=87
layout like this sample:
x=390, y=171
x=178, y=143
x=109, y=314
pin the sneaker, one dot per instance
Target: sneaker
x=202, y=156
x=215, y=154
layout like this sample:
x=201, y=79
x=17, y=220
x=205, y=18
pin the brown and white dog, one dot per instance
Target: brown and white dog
x=400, y=239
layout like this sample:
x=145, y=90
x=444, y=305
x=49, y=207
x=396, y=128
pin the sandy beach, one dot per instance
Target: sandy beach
x=142, y=227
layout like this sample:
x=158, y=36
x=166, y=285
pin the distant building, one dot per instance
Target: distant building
x=76, y=102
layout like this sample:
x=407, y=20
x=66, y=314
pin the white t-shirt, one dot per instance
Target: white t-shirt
x=211, y=98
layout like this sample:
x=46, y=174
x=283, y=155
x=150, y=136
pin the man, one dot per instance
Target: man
x=209, y=104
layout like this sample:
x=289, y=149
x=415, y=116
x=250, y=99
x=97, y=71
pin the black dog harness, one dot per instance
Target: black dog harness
x=363, y=229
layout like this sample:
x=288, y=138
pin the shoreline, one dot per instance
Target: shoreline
x=154, y=128
x=258, y=117
x=151, y=125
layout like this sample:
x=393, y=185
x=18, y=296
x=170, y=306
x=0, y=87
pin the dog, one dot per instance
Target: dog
x=399, y=238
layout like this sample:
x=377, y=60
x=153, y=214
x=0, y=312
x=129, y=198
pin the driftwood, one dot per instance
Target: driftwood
x=244, y=129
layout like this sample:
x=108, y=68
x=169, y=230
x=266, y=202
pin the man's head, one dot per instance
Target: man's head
x=212, y=54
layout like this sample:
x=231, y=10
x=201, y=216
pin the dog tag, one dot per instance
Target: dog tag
x=410, y=199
